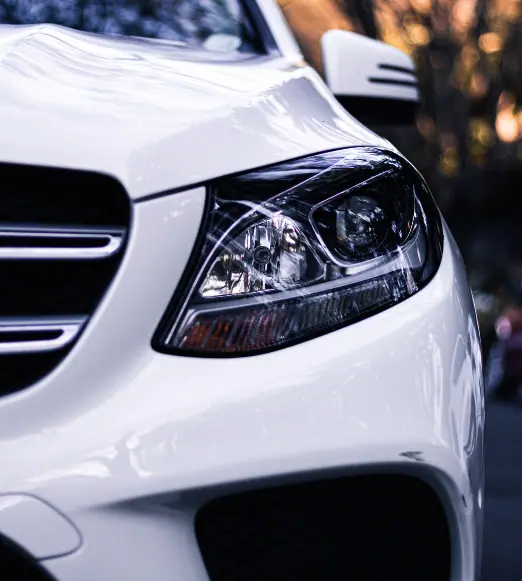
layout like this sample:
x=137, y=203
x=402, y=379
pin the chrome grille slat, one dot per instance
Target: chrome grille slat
x=37, y=243
x=62, y=238
x=61, y=333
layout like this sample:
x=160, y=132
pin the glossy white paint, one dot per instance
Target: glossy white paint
x=364, y=76
x=126, y=442
x=119, y=431
x=156, y=116
x=37, y=527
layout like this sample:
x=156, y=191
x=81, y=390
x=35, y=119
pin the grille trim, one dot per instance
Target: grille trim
x=39, y=243
x=38, y=335
x=63, y=235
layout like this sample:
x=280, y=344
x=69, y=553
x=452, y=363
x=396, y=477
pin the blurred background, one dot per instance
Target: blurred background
x=467, y=137
x=467, y=143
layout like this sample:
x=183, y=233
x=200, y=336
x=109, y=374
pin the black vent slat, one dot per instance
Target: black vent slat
x=47, y=281
x=363, y=528
x=398, y=69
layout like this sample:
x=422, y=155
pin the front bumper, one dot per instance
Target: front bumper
x=119, y=432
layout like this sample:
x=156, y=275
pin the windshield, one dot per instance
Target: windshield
x=220, y=25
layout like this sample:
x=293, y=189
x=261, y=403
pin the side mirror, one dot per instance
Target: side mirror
x=374, y=81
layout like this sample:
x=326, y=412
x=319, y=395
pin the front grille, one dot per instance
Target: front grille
x=360, y=528
x=62, y=238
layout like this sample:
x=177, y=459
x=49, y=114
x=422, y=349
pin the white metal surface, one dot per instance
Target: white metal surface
x=126, y=442
x=156, y=116
x=379, y=70
x=37, y=527
x=118, y=423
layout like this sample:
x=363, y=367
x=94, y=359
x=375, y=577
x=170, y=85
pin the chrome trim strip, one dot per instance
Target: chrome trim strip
x=68, y=329
x=103, y=243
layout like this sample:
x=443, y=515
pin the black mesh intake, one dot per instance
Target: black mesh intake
x=347, y=529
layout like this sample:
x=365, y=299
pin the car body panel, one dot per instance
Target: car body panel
x=50, y=535
x=125, y=442
x=156, y=116
x=124, y=425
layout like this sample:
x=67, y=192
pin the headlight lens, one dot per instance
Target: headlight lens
x=304, y=248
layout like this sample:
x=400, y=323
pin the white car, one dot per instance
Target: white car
x=237, y=341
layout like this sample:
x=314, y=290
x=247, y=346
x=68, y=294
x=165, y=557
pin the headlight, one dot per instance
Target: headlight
x=303, y=248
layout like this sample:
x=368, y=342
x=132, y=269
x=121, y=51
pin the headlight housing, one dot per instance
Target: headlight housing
x=300, y=249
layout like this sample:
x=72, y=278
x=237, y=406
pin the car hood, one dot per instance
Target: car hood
x=156, y=115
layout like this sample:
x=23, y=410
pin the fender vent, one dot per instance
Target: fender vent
x=62, y=238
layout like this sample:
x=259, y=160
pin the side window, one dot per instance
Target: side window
x=310, y=19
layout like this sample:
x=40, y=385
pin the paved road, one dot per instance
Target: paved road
x=503, y=516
